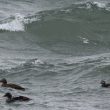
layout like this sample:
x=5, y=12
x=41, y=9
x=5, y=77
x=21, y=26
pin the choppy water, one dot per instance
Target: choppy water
x=59, y=50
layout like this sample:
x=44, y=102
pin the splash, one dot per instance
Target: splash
x=13, y=24
x=16, y=22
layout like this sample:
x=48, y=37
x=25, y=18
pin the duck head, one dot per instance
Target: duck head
x=102, y=82
x=4, y=81
x=8, y=95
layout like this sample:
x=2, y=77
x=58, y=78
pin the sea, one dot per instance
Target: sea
x=59, y=50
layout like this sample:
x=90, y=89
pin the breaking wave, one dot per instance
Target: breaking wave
x=17, y=22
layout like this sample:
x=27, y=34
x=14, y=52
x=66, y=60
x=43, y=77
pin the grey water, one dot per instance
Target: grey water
x=59, y=50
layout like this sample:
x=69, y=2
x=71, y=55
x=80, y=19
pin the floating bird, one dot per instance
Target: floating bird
x=104, y=84
x=14, y=86
x=10, y=98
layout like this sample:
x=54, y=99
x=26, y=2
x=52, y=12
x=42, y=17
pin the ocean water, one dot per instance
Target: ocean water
x=59, y=50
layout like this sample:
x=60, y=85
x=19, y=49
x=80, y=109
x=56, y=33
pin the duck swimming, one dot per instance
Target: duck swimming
x=104, y=84
x=10, y=98
x=14, y=86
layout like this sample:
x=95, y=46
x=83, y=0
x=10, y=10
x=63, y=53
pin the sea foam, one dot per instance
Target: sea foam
x=16, y=22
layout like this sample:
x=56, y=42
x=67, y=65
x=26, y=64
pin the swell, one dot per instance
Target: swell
x=81, y=29
x=76, y=28
x=81, y=10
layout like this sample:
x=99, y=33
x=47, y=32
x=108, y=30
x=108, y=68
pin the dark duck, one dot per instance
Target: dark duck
x=10, y=98
x=104, y=84
x=10, y=85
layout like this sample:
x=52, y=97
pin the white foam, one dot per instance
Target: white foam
x=13, y=26
x=30, y=20
x=100, y=4
x=16, y=24
x=84, y=40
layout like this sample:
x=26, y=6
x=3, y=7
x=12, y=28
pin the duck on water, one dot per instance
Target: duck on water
x=10, y=85
x=104, y=84
x=10, y=98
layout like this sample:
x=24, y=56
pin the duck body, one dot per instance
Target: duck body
x=13, y=99
x=104, y=84
x=10, y=85
x=14, y=86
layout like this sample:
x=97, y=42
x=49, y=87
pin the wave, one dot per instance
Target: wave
x=60, y=66
x=18, y=22
x=80, y=29
x=19, y=64
x=76, y=28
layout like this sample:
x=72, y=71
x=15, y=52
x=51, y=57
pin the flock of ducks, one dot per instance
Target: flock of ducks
x=9, y=96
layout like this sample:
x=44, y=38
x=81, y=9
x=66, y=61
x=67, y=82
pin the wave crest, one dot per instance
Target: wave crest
x=18, y=22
